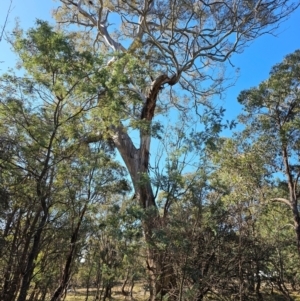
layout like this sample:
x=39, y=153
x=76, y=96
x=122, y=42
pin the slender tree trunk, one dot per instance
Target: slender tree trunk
x=98, y=282
x=296, y=223
x=258, y=285
x=124, y=293
x=10, y=284
x=68, y=265
x=292, y=185
x=107, y=291
x=131, y=288
x=87, y=291
x=43, y=295
x=33, y=293
x=26, y=279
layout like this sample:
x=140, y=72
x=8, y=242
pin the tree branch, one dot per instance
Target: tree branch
x=282, y=200
x=6, y=19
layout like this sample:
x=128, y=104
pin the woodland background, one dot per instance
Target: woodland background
x=115, y=172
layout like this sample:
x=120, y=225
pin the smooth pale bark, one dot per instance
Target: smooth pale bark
x=211, y=32
x=137, y=163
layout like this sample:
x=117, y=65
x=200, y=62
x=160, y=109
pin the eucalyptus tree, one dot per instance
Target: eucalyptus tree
x=265, y=254
x=272, y=119
x=160, y=45
x=47, y=170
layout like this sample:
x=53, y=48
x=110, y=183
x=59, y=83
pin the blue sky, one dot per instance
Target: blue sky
x=258, y=58
x=254, y=63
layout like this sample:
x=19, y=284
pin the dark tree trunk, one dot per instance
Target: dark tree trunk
x=27, y=275
x=296, y=222
x=98, y=282
x=292, y=186
x=257, y=288
x=68, y=265
x=107, y=291
x=131, y=288
x=124, y=293
x=11, y=283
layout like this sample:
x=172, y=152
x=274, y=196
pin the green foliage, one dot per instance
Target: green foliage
x=52, y=176
x=214, y=231
x=52, y=59
x=272, y=109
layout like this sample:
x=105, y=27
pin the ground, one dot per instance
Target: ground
x=139, y=294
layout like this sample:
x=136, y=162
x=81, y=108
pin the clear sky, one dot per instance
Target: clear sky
x=258, y=58
x=254, y=63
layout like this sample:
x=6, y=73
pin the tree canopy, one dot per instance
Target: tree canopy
x=193, y=216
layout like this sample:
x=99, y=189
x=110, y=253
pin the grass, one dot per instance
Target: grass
x=138, y=294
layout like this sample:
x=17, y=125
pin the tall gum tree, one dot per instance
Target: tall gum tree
x=174, y=42
x=272, y=117
x=245, y=185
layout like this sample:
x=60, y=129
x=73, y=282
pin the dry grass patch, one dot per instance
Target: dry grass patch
x=139, y=294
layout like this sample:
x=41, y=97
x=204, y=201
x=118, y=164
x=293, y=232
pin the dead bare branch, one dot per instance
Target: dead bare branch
x=6, y=20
